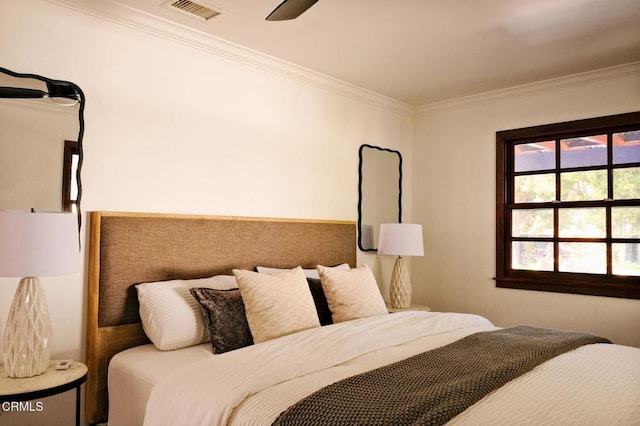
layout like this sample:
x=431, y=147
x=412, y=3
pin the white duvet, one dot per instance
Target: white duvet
x=593, y=385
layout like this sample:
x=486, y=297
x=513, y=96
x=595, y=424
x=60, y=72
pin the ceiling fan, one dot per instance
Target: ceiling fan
x=290, y=9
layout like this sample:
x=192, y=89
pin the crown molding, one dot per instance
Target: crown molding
x=132, y=18
x=560, y=83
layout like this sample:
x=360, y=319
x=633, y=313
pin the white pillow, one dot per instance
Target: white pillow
x=277, y=304
x=171, y=317
x=309, y=273
x=351, y=294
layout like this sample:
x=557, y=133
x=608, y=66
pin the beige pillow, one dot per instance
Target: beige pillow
x=278, y=304
x=351, y=294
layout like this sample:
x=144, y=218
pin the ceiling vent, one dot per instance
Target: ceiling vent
x=194, y=9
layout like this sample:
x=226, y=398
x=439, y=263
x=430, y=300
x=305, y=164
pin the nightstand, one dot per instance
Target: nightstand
x=410, y=308
x=51, y=382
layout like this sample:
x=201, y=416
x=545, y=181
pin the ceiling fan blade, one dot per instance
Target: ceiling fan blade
x=62, y=90
x=290, y=9
x=20, y=93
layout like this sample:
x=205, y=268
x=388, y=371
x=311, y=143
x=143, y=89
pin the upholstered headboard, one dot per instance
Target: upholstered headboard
x=130, y=248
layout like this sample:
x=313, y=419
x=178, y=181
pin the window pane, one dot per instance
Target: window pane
x=532, y=255
x=535, y=188
x=582, y=223
x=625, y=222
x=626, y=147
x=581, y=186
x=534, y=156
x=75, y=158
x=583, y=257
x=626, y=259
x=532, y=223
x=626, y=183
x=584, y=151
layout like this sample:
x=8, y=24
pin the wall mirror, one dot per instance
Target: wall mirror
x=41, y=129
x=379, y=192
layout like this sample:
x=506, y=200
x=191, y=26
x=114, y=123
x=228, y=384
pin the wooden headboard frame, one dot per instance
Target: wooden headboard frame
x=130, y=248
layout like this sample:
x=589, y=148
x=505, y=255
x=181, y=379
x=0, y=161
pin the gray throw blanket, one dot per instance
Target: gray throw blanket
x=433, y=387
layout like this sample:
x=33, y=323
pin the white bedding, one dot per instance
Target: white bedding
x=595, y=384
x=134, y=372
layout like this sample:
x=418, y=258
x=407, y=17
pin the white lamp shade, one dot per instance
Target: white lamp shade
x=38, y=244
x=400, y=239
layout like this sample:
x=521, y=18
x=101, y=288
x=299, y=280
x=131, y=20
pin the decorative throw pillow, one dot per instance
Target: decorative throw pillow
x=277, y=304
x=315, y=286
x=320, y=300
x=351, y=294
x=224, y=316
x=170, y=315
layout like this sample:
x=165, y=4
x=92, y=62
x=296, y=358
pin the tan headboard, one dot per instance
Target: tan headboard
x=130, y=248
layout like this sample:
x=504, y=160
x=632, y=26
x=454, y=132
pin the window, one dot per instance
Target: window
x=568, y=207
x=70, y=161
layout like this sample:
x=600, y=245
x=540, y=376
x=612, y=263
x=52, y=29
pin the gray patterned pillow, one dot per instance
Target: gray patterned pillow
x=224, y=316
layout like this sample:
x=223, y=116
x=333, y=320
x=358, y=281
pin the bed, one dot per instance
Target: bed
x=297, y=377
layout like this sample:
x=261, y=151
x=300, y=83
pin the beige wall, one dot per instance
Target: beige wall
x=175, y=128
x=454, y=198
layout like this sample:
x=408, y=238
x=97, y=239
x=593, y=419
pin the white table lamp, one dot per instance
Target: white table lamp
x=400, y=239
x=32, y=245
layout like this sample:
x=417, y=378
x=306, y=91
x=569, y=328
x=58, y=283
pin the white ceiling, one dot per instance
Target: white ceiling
x=424, y=51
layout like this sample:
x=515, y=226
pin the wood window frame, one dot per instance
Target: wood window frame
x=565, y=282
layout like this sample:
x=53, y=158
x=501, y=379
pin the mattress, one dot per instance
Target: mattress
x=134, y=372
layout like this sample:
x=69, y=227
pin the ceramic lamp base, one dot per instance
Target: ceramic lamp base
x=400, y=291
x=27, y=336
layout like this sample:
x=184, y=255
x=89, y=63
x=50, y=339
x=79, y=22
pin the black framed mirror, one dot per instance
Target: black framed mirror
x=41, y=132
x=379, y=192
